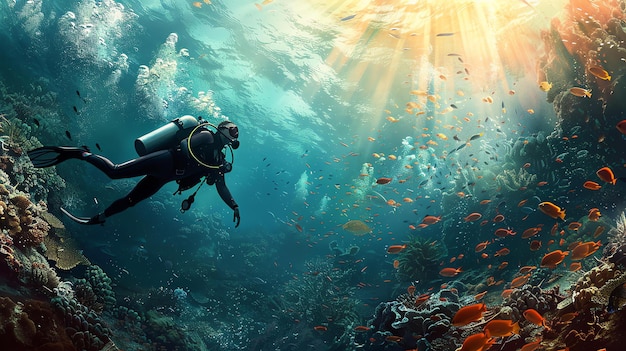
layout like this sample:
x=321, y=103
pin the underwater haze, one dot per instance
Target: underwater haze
x=413, y=175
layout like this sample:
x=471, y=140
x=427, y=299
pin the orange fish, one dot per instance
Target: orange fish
x=535, y=245
x=594, y=214
x=468, y=314
x=502, y=232
x=580, y=92
x=530, y=232
x=383, y=180
x=574, y=226
x=480, y=295
x=394, y=249
x=501, y=328
x=197, y=4
x=552, y=259
x=502, y=252
x=481, y=246
x=393, y=338
x=575, y=266
x=506, y=293
x=320, y=328
x=519, y=281
x=473, y=217
x=477, y=342
x=599, y=230
x=526, y=269
x=498, y=218
x=552, y=210
x=592, y=185
x=522, y=203
x=450, y=272
x=621, y=126
x=535, y=317
x=361, y=328
x=411, y=289
x=396, y=264
x=600, y=72
x=606, y=174
x=431, y=219
x=585, y=249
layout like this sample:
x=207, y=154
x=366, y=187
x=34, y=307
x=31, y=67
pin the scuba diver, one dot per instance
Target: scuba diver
x=184, y=150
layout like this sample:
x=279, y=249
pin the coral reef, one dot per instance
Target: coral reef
x=84, y=327
x=413, y=318
x=594, y=288
x=101, y=285
x=31, y=325
x=530, y=296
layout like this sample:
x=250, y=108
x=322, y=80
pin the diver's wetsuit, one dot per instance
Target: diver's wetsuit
x=161, y=167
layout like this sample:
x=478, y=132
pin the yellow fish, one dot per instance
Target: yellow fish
x=545, y=86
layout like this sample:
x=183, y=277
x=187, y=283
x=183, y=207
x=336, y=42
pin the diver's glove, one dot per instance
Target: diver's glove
x=226, y=167
x=236, y=217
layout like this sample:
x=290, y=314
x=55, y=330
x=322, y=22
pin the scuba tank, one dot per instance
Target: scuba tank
x=167, y=136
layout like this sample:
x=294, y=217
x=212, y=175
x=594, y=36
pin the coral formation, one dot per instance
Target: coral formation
x=31, y=325
x=514, y=181
x=420, y=259
x=593, y=289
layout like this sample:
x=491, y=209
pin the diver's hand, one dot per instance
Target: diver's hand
x=226, y=167
x=236, y=217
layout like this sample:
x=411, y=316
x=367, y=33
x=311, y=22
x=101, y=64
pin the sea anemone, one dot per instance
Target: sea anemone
x=420, y=259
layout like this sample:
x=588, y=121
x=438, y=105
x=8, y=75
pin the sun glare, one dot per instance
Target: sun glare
x=434, y=44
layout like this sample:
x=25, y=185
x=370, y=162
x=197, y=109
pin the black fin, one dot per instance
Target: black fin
x=47, y=156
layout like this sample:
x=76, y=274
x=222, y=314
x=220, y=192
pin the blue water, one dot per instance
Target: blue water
x=305, y=166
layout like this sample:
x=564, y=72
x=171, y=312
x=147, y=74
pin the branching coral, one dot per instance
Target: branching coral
x=420, y=259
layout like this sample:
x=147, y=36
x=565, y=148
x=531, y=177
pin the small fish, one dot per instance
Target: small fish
x=394, y=249
x=580, y=92
x=606, y=174
x=600, y=72
x=347, y=18
x=621, y=126
x=75, y=110
x=445, y=34
x=36, y=121
x=68, y=135
x=98, y=146
x=545, y=86
x=383, y=180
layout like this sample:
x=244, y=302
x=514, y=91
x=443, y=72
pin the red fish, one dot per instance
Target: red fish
x=383, y=180
x=469, y=314
x=621, y=126
x=592, y=185
x=606, y=174
x=450, y=272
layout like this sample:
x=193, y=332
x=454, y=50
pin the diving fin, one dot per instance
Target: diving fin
x=97, y=219
x=47, y=156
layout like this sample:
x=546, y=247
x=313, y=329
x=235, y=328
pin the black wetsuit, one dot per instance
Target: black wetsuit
x=161, y=167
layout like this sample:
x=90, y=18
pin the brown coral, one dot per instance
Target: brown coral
x=21, y=202
x=64, y=252
x=594, y=288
